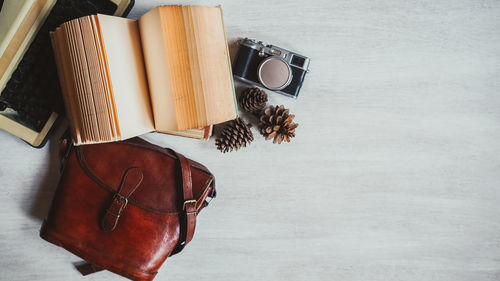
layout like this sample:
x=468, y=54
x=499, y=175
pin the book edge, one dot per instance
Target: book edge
x=23, y=47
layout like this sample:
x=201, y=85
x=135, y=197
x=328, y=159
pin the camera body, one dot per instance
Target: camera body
x=270, y=67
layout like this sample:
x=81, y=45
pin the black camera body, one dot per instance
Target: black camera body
x=270, y=67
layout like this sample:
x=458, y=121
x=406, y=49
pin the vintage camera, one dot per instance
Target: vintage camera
x=270, y=67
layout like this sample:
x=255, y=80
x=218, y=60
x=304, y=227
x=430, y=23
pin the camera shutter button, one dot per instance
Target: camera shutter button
x=261, y=52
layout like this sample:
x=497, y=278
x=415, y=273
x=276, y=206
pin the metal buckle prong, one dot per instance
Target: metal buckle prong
x=121, y=198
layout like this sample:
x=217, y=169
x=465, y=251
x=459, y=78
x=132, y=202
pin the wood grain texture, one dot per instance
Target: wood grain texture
x=394, y=173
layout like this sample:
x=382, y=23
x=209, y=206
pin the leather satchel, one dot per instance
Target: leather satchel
x=126, y=206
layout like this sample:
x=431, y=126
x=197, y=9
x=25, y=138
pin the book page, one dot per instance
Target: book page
x=179, y=64
x=95, y=78
x=61, y=53
x=83, y=85
x=214, y=63
x=83, y=68
x=78, y=94
x=155, y=59
x=122, y=46
x=104, y=75
x=188, y=66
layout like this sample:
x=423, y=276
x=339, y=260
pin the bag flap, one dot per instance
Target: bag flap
x=161, y=187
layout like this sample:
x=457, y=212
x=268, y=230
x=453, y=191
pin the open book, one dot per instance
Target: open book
x=169, y=71
x=29, y=93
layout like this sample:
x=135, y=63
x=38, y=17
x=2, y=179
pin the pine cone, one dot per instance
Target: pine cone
x=277, y=122
x=235, y=135
x=253, y=99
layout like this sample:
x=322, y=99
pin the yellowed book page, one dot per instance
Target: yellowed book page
x=89, y=94
x=103, y=63
x=181, y=81
x=192, y=48
x=214, y=64
x=197, y=78
x=68, y=84
x=155, y=59
x=76, y=76
x=95, y=78
x=201, y=133
x=122, y=47
x=58, y=39
x=85, y=91
x=103, y=72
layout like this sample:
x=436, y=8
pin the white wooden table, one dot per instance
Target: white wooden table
x=394, y=173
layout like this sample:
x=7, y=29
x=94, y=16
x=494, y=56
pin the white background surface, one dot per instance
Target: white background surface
x=394, y=173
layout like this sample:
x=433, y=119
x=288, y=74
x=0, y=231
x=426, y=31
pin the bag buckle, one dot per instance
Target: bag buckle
x=131, y=180
x=121, y=198
x=189, y=202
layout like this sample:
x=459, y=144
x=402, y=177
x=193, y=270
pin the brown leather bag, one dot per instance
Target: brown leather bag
x=126, y=206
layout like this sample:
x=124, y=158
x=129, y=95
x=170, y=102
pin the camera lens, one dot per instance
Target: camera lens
x=274, y=73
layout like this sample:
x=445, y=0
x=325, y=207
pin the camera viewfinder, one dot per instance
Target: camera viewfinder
x=298, y=61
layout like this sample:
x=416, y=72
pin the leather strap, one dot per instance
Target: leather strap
x=131, y=180
x=188, y=206
x=65, y=146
